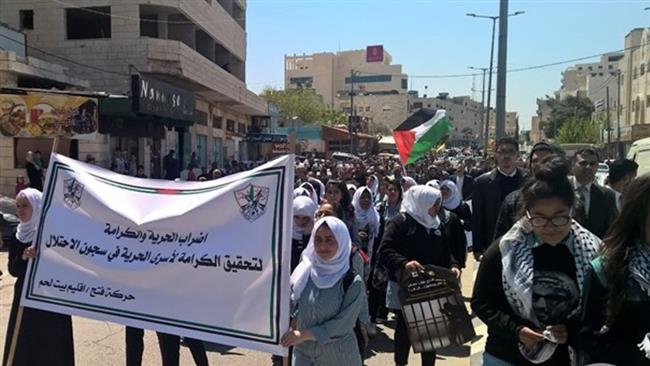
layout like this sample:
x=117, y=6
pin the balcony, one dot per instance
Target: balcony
x=175, y=59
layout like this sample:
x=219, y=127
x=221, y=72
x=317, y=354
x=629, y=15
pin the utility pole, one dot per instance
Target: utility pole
x=483, y=70
x=352, y=112
x=501, y=70
x=609, y=124
x=619, y=147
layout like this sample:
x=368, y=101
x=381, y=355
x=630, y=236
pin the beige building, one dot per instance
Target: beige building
x=195, y=45
x=538, y=121
x=590, y=79
x=635, y=87
x=379, y=86
x=512, y=124
x=463, y=112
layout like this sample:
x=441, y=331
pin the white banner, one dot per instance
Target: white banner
x=207, y=260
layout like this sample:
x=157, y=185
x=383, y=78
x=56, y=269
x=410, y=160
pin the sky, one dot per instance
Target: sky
x=435, y=37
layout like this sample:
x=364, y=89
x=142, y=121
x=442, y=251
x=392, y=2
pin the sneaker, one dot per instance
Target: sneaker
x=372, y=330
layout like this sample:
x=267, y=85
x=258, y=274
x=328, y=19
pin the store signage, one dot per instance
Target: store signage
x=266, y=138
x=157, y=98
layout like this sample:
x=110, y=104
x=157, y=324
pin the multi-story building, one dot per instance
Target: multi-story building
x=543, y=115
x=590, y=79
x=512, y=124
x=635, y=87
x=379, y=86
x=193, y=46
x=463, y=112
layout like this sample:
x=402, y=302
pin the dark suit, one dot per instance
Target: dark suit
x=468, y=185
x=511, y=210
x=489, y=192
x=602, y=210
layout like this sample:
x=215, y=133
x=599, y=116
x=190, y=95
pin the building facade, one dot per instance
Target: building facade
x=197, y=46
x=590, y=79
x=635, y=87
x=379, y=86
x=512, y=125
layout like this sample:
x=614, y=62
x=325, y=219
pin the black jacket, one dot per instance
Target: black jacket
x=468, y=186
x=602, y=210
x=406, y=240
x=486, y=202
x=510, y=211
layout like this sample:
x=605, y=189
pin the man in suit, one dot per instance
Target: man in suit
x=621, y=173
x=464, y=182
x=597, y=203
x=513, y=204
x=489, y=191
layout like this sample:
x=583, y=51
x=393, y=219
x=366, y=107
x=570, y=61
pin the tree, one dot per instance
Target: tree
x=304, y=104
x=562, y=110
x=578, y=130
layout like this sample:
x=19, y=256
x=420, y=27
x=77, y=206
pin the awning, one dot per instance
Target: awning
x=122, y=107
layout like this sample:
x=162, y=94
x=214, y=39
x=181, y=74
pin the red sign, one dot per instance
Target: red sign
x=375, y=53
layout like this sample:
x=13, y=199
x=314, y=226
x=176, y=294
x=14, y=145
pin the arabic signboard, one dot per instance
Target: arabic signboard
x=161, y=257
x=267, y=138
x=280, y=148
x=48, y=115
x=157, y=98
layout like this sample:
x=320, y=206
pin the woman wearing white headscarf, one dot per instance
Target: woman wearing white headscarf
x=434, y=183
x=44, y=338
x=303, y=221
x=458, y=219
x=367, y=218
x=413, y=239
x=325, y=313
x=373, y=183
x=312, y=192
x=407, y=183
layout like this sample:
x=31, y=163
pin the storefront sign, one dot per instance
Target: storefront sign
x=157, y=98
x=280, y=148
x=266, y=138
x=159, y=258
x=48, y=115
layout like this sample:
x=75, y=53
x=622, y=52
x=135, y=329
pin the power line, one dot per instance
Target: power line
x=64, y=58
x=139, y=19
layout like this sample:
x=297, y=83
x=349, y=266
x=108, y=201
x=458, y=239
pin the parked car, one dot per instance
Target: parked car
x=602, y=173
x=8, y=219
x=640, y=153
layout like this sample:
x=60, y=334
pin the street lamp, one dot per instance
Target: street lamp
x=483, y=69
x=494, y=22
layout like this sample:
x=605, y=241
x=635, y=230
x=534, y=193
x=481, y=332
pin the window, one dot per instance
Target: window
x=230, y=125
x=216, y=150
x=600, y=74
x=642, y=71
x=148, y=25
x=369, y=79
x=590, y=68
x=610, y=67
x=202, y=150
x=241, y=128
x=201, y=117
x=217, y=122
x=647, y=100
x=405, y=83
x=302, y=80
x=88, y=23
x=593, y=74
x=367, y=109
x=26, y=19
x=600, y=66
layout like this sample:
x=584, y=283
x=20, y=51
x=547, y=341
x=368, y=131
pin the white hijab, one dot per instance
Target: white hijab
x=408, y=183
x=374, y=188
x=365, y=217
x=303, y=206
x=455, y=199
x=351, y=187
x=300, y=191
x=433, y=183
x=324, y=274
x=311, y=190
x=417, y=202
x=27, y=230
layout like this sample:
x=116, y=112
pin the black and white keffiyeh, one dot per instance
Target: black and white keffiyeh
x=518, y=272
x=639, y=267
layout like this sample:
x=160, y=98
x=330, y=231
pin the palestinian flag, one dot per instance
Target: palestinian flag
x=420, y=133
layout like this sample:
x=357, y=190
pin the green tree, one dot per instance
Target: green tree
x=301, y=103
x=578, y=130
x=571, y=107
x=332, y=117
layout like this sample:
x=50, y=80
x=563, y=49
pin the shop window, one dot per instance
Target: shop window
x=44, y=145
x=230, y=125
x=217, y=145
x=26, y=19
x=201, y=117
x=88, y=23
x=217, y=122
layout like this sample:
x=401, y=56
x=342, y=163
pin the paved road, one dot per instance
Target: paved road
x=102, y=343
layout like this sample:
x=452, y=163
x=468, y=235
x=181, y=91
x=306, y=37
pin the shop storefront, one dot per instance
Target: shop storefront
x=29, y=121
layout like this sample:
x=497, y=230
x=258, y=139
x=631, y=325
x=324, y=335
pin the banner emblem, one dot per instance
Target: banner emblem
x=72, y=193
x=252, y=201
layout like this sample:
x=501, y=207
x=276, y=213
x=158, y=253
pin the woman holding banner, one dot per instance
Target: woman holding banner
x=326, y=300
x=411, y=240
x=41, y=337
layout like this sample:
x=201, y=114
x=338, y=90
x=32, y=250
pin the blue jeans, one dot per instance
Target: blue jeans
x=489, y=360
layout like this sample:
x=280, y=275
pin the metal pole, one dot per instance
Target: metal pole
x=351, y=111
x=618, y=116
x=489, y=89
x=483, y=102
x=609, y=124
x=501, y=70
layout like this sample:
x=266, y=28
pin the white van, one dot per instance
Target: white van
x=640, y=153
